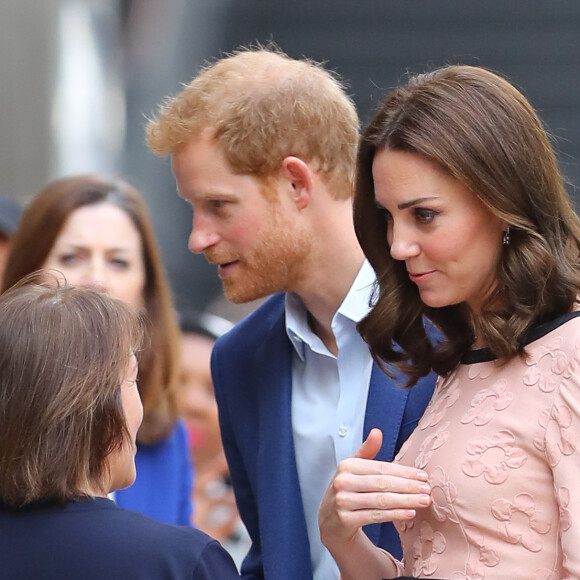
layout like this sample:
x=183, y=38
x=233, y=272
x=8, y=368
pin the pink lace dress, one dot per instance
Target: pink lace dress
x=500, y=445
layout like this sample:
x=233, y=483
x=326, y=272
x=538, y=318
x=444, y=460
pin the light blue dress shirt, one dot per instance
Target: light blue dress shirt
x=329, y=396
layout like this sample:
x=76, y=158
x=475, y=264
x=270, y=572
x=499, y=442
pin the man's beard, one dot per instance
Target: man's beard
x=277, y=264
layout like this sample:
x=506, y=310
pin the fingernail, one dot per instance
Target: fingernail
x=425, y=488
x=424, y=499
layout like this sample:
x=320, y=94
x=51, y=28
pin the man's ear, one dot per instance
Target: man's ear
x=299, y=174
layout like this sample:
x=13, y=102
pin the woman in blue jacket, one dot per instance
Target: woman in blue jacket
x=97, y=232
x=69, y=414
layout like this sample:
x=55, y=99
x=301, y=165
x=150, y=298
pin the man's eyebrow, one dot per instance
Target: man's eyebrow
x=210, y=194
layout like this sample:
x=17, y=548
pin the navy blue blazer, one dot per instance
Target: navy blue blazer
x=95, y=539
x=252, y=375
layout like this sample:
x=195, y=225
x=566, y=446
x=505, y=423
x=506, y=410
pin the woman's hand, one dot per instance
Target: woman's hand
x=367, y=491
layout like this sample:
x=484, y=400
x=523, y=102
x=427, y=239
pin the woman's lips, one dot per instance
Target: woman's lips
x=419, y=277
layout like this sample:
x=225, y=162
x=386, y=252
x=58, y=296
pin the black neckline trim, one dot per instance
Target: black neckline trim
x=534, y=333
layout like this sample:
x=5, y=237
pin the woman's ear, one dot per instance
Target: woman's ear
x=299, y=175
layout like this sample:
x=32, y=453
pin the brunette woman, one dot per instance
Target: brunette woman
x=461, y=209
x=97, y=233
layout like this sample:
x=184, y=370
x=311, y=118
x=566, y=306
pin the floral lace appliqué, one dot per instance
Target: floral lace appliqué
x=482, y=370
x=506, y=456
x=563, y=496
x=443, y=494
x=512, y=528
x=404, y=449
x=487, y=403
x=544, y=574
x=431, y=443
x=574, y=366
x=404, y=526
x=427, y=550
x=487, y=557
x=436, y=411
x=555, y=436
x=546, y=364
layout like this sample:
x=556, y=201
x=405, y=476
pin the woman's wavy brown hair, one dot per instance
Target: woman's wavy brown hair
x=39, y=227
x=63, y=353
x=479, y=129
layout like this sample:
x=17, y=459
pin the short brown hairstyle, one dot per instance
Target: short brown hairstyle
x=263, y=106
x=39, y=227
x=479, y=129
x=63, y=353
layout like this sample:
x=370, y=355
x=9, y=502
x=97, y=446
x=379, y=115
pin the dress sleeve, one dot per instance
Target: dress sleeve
x=562, y=437
x=398, y=564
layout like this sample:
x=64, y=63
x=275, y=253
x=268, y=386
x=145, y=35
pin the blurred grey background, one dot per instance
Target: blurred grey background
x=80, y=77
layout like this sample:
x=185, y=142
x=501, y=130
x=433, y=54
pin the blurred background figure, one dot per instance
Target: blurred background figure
x=97, y=233
x=215, y=508
x=70, y=412
x=196, y=401
x=9, y=215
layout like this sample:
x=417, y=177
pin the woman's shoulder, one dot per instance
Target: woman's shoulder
x=112, y=542
x=135, y=529
x=558, y=332
x=566, y=327
x=156, y=543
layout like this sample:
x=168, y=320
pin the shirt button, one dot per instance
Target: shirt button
x=342, y=431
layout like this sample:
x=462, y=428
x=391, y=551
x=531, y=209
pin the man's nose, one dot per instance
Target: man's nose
x=202, y=236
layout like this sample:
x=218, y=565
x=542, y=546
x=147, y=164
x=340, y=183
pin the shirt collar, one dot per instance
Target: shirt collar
x=354, y=307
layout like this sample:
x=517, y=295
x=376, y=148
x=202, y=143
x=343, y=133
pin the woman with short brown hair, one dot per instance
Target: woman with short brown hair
x=69, y=415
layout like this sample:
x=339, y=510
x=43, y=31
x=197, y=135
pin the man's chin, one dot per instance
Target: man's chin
x=238, y=294
x=241, y=298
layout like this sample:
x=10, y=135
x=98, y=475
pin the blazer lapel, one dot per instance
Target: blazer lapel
x=285, y=548
x=385, y=408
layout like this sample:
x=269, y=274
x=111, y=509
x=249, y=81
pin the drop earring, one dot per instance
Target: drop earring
x=506, y=237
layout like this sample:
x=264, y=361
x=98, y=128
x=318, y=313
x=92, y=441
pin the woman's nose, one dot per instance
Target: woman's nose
x=402, y=242
x=96, y=276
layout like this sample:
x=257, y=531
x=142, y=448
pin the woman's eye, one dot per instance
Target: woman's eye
x=425, y=216
x=120, y=263
x=67, y=259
